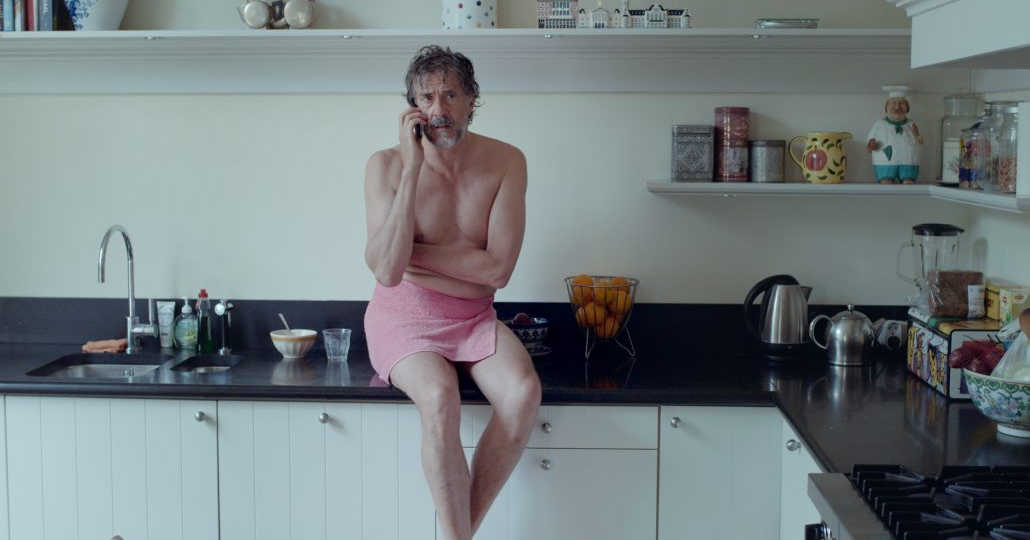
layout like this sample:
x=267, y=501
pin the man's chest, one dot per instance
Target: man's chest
x=454, y=212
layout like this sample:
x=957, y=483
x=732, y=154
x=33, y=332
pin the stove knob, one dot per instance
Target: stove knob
x=793, y=445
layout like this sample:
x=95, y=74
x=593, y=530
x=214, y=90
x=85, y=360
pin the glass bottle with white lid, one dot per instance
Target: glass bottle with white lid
x=1005, y=149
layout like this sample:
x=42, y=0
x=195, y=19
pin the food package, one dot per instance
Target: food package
x=1015, y=364
x=955, y=293
x=1011, y=302
x=992, y=297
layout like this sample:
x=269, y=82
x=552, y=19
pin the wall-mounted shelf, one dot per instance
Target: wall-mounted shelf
x=1008, y=203
x=507, y=60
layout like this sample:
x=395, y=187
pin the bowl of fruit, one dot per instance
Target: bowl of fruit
x=601, y=306
x=1004, y=400
x=531, y=331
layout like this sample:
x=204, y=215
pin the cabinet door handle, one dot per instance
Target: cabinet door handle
x=675, y=422
x=793, y=445
x=546, y=426
x=545, y=464
x=199, y=416
x=323, y=418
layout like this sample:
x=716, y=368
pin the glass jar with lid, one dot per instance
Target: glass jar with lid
x=973, y=161
x=1005, y=149
x=962, y=110
x=991, y=127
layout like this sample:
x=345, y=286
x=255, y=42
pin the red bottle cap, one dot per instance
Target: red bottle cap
x=203, y=293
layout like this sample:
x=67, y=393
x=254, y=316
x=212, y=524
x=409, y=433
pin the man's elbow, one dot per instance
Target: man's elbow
x=500, y=280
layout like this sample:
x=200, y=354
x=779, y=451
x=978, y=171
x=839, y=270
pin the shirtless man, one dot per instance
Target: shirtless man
x=446, y=215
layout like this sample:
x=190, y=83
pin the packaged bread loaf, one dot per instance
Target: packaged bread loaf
x=949, y=293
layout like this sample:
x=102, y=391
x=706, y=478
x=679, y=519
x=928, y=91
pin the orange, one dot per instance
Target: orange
x=593, y=314
x=581, y=317
x=582, y=292
x=619, y=302
x=608, y=328
x=602, y=293
x=621, y=283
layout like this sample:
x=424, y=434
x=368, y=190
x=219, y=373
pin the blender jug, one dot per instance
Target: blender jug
x=934, y=247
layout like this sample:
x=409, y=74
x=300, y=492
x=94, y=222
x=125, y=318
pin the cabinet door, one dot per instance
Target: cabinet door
x=566, y=494
x=796, y=509
x=308, y=471
x=416, y=514
x=717, y=462
x=96, y=467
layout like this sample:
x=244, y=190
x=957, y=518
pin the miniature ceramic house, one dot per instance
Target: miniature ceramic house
x=678, y=18
x=656, y=17
x=556, y=13
x=636, y=18
x=599, y=17
x=582, y=19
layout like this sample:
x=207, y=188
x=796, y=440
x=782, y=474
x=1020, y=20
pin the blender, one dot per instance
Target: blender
x=934, y=247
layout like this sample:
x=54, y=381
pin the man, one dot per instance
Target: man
x=445, y=217
x=894, y=141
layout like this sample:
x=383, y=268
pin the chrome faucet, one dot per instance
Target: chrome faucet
x=133, y=327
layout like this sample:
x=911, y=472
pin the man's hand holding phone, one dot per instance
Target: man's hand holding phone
x=412, y=124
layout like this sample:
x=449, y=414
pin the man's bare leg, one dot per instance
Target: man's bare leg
x=510, y=384
x=432, y=383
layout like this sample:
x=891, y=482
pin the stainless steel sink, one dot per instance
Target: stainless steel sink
x=100, y=366
x=207, y=364
x=105, y=371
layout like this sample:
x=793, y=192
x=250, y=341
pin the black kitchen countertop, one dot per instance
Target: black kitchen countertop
x=875, y=414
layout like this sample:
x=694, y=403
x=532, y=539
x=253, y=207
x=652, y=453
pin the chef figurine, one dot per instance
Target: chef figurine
x=894, y=141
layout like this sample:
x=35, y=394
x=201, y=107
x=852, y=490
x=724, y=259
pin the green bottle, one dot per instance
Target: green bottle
x=205, y=339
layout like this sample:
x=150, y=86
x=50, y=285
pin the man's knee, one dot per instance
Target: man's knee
x=521, y=402
x=440, y=406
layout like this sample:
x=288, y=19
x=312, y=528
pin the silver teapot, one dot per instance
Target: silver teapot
x=848, y=337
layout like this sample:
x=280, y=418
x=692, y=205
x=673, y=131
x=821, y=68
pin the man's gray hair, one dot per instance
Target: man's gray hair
x=437, y=59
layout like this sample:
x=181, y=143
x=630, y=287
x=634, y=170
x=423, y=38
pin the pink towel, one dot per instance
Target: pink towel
x=410, y=318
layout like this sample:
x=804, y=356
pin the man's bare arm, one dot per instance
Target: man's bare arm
x=494, y=265
x=389, y=212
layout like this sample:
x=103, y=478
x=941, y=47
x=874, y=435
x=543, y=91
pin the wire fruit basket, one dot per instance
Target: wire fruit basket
x=602, y=306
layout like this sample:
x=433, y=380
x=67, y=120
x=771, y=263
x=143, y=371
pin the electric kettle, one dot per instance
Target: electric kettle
x=782, y=322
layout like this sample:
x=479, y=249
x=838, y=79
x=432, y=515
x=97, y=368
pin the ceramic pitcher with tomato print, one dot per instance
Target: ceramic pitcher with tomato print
x=824, y=160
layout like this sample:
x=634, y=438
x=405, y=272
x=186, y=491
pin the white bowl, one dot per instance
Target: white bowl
x=295, y=343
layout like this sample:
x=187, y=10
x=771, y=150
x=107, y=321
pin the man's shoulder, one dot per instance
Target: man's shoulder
x=386, y=156
x=496, y=147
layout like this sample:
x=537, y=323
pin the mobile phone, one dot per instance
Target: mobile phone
x=418, y=132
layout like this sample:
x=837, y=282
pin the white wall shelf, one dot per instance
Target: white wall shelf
x=1007, y=203
x=507, y=60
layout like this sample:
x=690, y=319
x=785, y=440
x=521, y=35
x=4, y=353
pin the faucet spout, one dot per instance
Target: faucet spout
x=133, y=327
x=128, y=255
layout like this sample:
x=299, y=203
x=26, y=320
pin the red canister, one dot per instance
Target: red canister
x=732, y=129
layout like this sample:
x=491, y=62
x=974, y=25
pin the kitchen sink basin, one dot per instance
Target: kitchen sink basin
x=203, y=364
x=99, y=366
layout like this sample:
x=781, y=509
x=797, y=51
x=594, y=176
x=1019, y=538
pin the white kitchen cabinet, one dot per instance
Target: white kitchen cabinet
x=719, y=473
x=589, y=472
x=796, y=510
x=87, y=468
x=305, y=470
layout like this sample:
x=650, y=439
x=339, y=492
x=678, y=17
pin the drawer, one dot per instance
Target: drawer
x=576, y=426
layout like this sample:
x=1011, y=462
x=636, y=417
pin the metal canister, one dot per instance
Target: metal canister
x=693, y=153
x=732, y=127
x=766, y=158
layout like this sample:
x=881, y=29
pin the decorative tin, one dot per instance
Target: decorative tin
x=732, y=127
x=692, y=153
x=766, y=159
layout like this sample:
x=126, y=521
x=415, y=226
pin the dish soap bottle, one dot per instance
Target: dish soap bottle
x=186, y=328
x=205, y=339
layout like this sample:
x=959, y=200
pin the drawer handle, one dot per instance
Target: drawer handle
x=545, y=464
x=546, y=426
x=323, y=418
x=199, y=416
x=793, y=445
x=675, y=422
